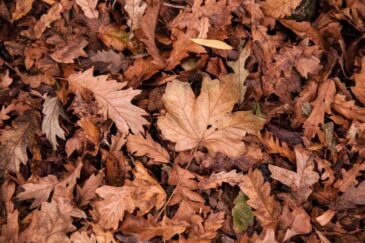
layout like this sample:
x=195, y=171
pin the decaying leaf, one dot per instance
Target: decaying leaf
x=140, y=146
x=52, y=109
x=258, y=192
x=10, y=230
x=114, y=102
x=241, y=213
x=301, y=181
x=206, y=120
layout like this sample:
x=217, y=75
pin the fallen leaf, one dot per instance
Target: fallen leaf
x=87, y=191
x=143, y=193
x=215, y=180
x=242, y=214
x=89, y=8
x=82, y=237
x=258, y=192
x=110, y=60
x=52, y=109
x=22, y=7
x=140, y=146
x=279, y=8
x=353, y=196
x=53, y=14
x=147, y=229
x=348, y=108
x=10, y=230
x=115, y=103
x=103, y=236
x=72, y=50
x=300, y=181
x=276, y=146
x=135, y=10
x=113, y=37
x=217, y=44
x=206, y=120
x=300, y=225
x=48, y=225
x=324, y=218
x=359, y=88
x=5, y=81
x=349, y=177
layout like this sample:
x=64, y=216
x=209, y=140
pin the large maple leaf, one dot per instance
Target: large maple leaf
x=114, y=102
x=206, y=120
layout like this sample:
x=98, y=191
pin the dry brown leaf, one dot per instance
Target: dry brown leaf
x=5, y=80
x=114, y=102
x=359, y=88
x=349, y=177
x=22, y=7
x=48, y=225
x=326, y=217
x=53, y=14
x=203, y=231
x=52, y=109
x=113, y=37
x=72, y=50
x=276, y=146
x=187, y=185
x=181, y=48
x=35, y=80
x=63, y=198
x=206, y=120
x=279, y=8
x=301, y=223
x=143, y=193
x=103, y=236
x=321, y=105
x=215, y=180
x=41, y=190
x=147, y=229
x=140, y=146
x=135, y=10
x=110, y=60
x=258, y=192
x=82, y=237
x=217, y=44
x=87, y=192
x=89, y=8
x=300, y=181
x=10, y=230
x=91, y=131
x=348, y=108
x=148, y=26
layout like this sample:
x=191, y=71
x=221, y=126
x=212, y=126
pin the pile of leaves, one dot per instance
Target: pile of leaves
x=182, y=121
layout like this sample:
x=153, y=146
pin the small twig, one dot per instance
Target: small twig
x=178, y=184
x=173, y=6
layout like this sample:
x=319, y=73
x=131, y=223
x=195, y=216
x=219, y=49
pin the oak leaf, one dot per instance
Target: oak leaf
x=276, y=146
x=48, y=225
x=321, y=105
x=147, y=229
x=52, y=109
x=300, y=181
x=206, y=120
x=216, y=179
x=113, y=37
x=72, y=50
x=135, y=10
x=87, y=192
x=140, y=146
x=349, y=177
x=143, y=193
x=102, y=236
x=279, y=8
x=89, y=8
x=53, y=14
x=22, y=7
x=114, y=102
x=258, y=192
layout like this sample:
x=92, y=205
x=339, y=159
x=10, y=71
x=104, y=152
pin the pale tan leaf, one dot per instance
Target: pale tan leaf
x=22, y=7
x=5, y=81
x=52, y=109
x=135, y=10
x=301, y=181
x=140, y=146
x=215, y=180
x=208, y=119
x=279, y=8
x=53, y=14
x=326, y=217
x=63, y=197
x=258, y=192
x=217, y=44
x=89, y=8
x=115, y=103
x=87, y=191
x=349, y=177
x=10, y=230
x=147, y=229
x=72, y=50
x=103, y=236
x=82, y=237
x=48, y=225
